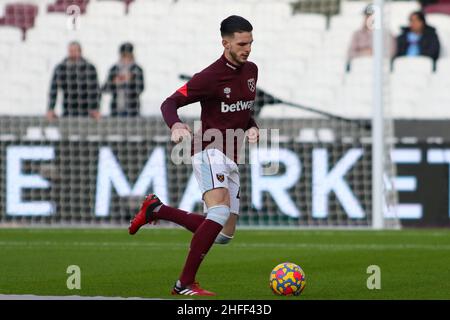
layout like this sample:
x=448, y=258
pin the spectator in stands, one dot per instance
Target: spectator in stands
x=361, y=43
x=77, y=78
x=126, y=83
x=418, y=39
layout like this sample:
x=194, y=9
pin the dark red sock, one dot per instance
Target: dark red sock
x=190, y=221
x=202, y=241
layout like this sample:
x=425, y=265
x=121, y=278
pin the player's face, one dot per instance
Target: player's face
x=415, y=24
x=127, y=58
x=74, y=52
x=238, y=47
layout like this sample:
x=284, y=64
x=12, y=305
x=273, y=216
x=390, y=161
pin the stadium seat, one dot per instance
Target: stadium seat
x=443, y=8
x=10, y=34
x=106, y=8
x=353, y=101
x=349, y=24
x=440, y=21
x=20, y=15
x=402, y=8
x=398, y=14
x=311, y=69
x=150, y=9
x=308, y=21
x=443, y=67
x=281, y=111
x=353, y=8
x=60, y=6
x=336, y=43
x=127, y=4
x=362, y=66
x=408, y=65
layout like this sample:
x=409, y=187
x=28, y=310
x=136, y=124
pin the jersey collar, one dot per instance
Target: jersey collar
x=228, y=64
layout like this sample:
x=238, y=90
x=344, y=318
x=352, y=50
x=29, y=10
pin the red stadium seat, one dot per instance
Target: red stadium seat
x=20, y=15
x=61, y=6
x=127, y=5
x=443, y=8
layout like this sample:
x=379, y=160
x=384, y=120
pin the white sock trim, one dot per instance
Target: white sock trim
x=218, y=214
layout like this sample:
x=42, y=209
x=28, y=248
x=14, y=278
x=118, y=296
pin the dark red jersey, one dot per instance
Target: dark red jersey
x=226, y=93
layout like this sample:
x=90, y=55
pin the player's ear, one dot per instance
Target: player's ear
x=226, y=43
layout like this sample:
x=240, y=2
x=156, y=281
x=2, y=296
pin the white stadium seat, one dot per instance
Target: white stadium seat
x=281, y=111
x=443, y=67
x=353, y=8
x=398, y=14
x=348, y=24
x=440, y=21
x=105, y=8
x=408, y=65
x=362, y=66
x=10, y=35
x=299, y=58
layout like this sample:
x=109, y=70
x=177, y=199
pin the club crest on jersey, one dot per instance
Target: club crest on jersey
x=251, y=84
x=220, y=177
x=227, y=92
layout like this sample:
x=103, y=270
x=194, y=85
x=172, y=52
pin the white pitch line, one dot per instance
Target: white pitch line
x=243, y=245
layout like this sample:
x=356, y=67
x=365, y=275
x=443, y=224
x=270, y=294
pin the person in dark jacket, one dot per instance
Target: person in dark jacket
x=77, y=78
x=418, y=39
x=126, y=83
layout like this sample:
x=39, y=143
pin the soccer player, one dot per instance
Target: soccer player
x=226, y=91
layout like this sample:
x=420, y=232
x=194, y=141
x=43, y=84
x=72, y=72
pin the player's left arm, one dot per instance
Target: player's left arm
x=93, y=92
x=138, y=80
x=252, y=130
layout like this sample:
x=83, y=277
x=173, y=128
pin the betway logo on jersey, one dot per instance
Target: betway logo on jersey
x=238, y=106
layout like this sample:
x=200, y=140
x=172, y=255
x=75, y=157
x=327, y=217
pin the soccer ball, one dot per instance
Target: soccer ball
x=287, y=279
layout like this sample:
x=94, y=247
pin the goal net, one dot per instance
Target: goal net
x=82, y=140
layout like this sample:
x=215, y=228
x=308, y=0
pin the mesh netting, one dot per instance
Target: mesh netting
x=83, y=141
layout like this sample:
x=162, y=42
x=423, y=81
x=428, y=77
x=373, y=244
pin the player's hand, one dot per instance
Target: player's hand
x=179, y=131
x=51, y=115
x=95, y=114
x=253, y=134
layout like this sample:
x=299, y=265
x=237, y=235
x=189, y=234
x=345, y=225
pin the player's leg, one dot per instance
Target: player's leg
x=153, y=209
x=218, y=203
x=214, y=178
x=227, y=233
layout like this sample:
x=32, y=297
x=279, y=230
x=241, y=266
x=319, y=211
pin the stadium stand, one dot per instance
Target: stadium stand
x=309, y=51
x=442, y=6
x=62, y=5
x=20, y=15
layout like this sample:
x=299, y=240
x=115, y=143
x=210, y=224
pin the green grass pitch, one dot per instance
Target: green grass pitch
x=415, y=264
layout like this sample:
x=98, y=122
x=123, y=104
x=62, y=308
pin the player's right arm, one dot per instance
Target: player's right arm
x=53, y=94
x=196, y=89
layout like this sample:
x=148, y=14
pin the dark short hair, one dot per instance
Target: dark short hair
x=369, y=10
x=75, y=43
x=234, y=24
x=126, y=48
x=419, y=15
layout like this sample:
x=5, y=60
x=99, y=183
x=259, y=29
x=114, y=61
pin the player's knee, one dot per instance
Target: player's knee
x=219, y=214
x=218, y=196
x=223, y=238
